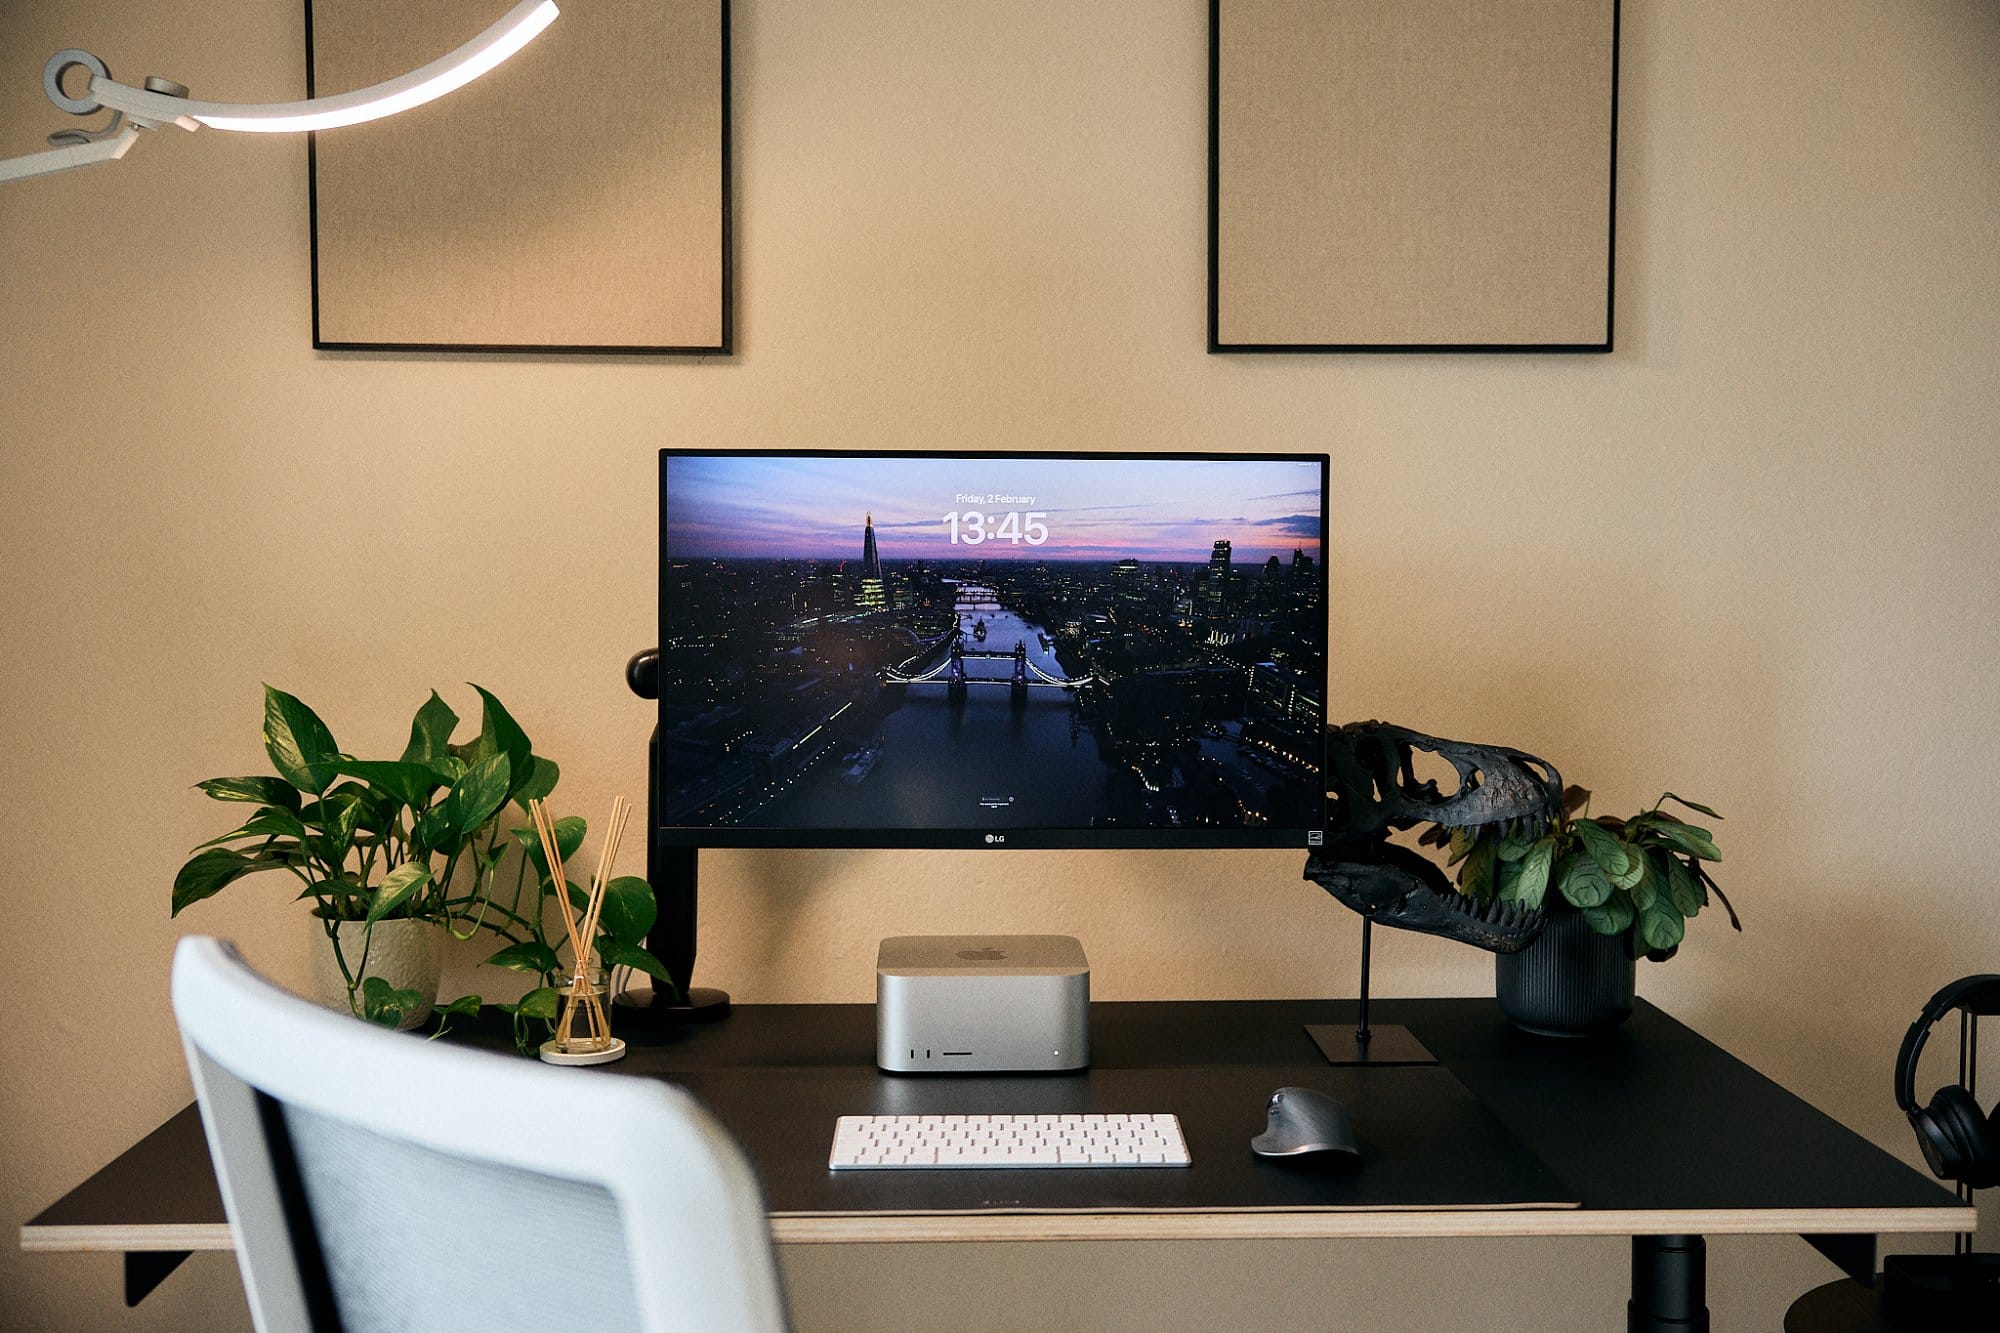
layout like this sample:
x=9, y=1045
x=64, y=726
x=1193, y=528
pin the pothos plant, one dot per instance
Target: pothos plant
x=419, y=837
x=1645, y=875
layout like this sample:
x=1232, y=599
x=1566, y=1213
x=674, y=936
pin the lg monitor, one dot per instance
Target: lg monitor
x=983, y=650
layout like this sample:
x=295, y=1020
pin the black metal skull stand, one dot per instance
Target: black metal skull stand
x=1373, y=792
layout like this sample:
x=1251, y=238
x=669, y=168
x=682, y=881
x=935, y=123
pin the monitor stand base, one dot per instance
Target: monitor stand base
x=1387, y=1044
x=704, y=1005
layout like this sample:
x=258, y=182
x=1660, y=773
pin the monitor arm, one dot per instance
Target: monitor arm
x=674, y=873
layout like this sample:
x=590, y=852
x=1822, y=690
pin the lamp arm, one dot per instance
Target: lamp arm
x=62, y=159
x=515, y=30
x=163, y=102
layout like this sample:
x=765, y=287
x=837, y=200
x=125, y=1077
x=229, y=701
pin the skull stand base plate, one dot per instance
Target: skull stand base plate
x=1387, y=1044
x=1364, y=1043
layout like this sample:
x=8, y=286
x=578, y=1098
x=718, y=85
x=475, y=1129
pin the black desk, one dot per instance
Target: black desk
x=1655, y=1134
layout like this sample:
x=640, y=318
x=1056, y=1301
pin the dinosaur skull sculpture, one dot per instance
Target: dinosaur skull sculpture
x=1373, y=791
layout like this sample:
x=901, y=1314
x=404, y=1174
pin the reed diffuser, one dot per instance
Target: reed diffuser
x=583, y=1028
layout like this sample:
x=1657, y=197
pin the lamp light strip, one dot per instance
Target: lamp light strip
x=520, y=26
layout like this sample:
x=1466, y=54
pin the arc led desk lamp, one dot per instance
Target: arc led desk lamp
x=164, y=102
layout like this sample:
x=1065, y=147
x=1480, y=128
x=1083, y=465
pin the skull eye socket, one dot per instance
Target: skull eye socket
x=1429, y=772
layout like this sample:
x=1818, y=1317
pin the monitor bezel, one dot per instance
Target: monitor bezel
x=977, y=839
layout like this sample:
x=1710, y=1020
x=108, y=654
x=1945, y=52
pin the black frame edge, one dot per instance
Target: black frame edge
x=312, y=187
x=727, y=346
x=1216, y=346
x=1215, y=176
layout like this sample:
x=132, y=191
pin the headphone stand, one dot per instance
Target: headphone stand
x=1960, y=1290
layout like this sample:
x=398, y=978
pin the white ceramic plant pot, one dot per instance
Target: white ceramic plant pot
x=409, y=955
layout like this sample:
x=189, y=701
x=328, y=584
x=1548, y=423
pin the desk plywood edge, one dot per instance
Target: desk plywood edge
x=824, y=1229
x=131, y=1238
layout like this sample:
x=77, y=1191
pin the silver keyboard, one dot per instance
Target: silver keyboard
x=952, y=1142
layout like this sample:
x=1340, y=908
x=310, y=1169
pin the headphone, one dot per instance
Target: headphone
x=1959, y=1141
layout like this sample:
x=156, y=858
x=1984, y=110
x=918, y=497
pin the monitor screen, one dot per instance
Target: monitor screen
x=991, y=650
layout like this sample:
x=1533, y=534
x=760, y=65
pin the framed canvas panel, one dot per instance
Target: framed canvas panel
x=1416, y=176
x=576, y=199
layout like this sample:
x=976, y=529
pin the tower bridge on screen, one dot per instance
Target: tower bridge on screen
x=1025, y=675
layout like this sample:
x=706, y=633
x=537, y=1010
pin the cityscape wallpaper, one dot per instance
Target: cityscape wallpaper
x=945, y=642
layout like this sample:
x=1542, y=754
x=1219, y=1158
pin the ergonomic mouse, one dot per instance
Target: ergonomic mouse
x=1300, y=1121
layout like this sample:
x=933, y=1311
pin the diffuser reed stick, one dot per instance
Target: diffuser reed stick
x=598, y=1043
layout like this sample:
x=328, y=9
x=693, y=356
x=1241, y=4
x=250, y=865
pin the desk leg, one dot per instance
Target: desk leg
x=147, y=1269
x=1669, y=1285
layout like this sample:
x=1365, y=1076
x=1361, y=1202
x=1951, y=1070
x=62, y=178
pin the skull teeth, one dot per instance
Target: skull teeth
x=1494, y=912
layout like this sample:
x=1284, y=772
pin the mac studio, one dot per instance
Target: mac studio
x=1704, y=512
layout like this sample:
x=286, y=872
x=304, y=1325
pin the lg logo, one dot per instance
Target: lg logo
x=993, y=838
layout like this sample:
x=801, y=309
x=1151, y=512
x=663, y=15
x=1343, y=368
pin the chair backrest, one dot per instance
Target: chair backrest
x=376, y=1181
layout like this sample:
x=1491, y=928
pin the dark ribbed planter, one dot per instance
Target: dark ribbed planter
x=1571, y=982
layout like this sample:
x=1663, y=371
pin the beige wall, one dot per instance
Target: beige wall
x=1749, y=556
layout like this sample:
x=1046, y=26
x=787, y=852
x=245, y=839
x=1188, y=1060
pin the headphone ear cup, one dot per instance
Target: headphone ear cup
x=1957, y=1139
x=1982, y=1159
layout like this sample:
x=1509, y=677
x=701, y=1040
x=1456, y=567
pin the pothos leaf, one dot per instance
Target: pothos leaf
x=540, y=1002
x=385, y=1004
x=207, y=873
x=408, y=784
x=540, y=781
x=474, y=797
x=499, y=733
x=528, y=956
x=270, y=822
x=333, y=845
x=264, y=791
x=616, y=954
x=297, y=741
x=569, y=836
x=397, y=888
x=430, y=733
x=629, y=910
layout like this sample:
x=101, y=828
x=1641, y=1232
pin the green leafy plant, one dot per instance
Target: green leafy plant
x=419, y=837
x=1646, y=875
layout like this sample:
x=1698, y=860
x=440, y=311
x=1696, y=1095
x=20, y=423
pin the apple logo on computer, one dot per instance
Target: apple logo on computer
x=981, y=955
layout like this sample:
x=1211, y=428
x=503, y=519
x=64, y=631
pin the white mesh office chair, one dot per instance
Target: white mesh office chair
x=376, y=1181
